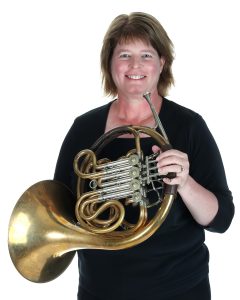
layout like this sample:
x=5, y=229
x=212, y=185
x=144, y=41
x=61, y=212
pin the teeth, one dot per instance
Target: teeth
x=135, y=76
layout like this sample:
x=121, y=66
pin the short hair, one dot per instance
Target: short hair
x=137, y=26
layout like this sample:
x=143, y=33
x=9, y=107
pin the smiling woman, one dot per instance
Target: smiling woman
x=155, y=45
x=50, y=73
x=136, y=68
x=136, y=58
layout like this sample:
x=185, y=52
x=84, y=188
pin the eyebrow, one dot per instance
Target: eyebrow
x=128, y=50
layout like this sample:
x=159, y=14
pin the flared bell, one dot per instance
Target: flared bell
x=39, y=231
x=45, y=231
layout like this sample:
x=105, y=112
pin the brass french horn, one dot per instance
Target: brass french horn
x=48, y=225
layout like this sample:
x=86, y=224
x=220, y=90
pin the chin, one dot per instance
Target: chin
x=137, y=92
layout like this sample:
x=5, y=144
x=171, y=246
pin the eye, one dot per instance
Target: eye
x=147, y=55
x=124, y=55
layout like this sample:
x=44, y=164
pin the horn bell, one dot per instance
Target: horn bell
x=48, y=224
x=39, y=231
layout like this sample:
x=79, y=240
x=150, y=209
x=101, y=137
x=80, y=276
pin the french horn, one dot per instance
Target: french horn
x=48, y=225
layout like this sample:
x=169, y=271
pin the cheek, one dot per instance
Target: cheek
x=117, y=70
x=156, y=68
x=156, y=71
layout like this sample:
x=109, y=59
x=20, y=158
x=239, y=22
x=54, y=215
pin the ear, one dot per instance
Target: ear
x=162, y=62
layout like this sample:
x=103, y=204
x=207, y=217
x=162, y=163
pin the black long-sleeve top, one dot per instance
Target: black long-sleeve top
x=175, y=258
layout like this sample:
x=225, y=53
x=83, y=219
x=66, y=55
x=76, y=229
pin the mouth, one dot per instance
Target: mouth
x=135, y=77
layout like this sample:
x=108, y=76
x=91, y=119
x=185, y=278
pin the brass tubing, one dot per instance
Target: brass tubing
x=47, y=225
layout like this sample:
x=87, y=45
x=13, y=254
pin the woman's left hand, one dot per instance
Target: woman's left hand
x=202, y=203
x=173, y=161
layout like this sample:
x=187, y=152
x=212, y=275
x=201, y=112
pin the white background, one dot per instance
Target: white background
x=49, y=74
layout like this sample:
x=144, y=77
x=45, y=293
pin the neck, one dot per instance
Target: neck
x=136, y=110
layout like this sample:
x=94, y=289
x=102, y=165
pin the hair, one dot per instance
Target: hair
x=132, y=27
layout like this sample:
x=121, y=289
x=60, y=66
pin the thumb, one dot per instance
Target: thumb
x=155, y=149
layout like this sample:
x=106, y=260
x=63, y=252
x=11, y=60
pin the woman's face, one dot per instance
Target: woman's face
x=136, y=67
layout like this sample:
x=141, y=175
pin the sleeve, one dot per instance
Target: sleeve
x=206, y=167
x=64, y=167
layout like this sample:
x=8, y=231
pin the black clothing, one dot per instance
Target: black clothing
x=175, y=258
x=201, y=291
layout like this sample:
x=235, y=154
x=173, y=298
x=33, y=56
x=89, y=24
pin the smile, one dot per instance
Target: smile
x=135, y=77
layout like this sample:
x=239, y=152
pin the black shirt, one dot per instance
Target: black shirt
x=175, y=258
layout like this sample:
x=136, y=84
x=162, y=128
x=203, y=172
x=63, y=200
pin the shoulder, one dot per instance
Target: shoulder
x=180, y=117
x=94, y=115
x=173, y=109
x=183, y=125
x=87, y=127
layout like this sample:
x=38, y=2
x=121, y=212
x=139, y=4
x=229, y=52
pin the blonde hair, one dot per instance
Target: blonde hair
x=137, y=26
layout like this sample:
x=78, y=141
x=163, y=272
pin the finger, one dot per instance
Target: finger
x=170, y=169
x=171, y=181
x=174, y=153
x=171, y=161
x=156, y=149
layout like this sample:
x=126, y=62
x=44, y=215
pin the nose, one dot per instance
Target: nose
x=136, y=62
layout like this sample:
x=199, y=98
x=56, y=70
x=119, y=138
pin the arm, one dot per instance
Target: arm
x=200, y=177
x=201, y=203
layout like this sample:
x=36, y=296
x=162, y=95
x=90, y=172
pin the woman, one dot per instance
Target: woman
x=136, y=57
